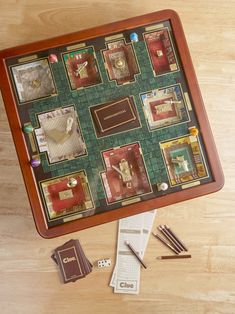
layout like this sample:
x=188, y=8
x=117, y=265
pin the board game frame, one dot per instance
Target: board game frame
x=8, y=96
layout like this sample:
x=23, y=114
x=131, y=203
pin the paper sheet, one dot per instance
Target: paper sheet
x=135, y=229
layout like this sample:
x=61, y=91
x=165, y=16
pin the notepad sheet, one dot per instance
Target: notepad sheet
x=136, y=230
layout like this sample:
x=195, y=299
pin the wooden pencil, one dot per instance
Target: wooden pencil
x=176, y=238
x=170, y=238
x=174, y=256
x=165, y=243
x=135, y=253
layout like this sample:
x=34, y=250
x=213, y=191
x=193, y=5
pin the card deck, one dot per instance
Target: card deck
x=72, y=262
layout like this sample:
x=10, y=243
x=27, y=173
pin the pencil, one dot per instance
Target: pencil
x=165, y=243
x=176, y=238
x=170, y=238
x=135, y=254
x=173, y=238
x=173, y=256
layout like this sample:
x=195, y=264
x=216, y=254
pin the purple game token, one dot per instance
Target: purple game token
x=35, y=162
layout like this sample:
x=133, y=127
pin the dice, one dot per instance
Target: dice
x=104, y=263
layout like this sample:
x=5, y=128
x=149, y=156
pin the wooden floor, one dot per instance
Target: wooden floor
x=205, y=284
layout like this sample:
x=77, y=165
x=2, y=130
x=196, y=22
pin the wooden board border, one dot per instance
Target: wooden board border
x=81, y=36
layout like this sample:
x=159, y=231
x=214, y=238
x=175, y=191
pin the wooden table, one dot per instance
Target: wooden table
x=204, y=284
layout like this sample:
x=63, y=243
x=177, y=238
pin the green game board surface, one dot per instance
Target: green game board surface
x=108, y=91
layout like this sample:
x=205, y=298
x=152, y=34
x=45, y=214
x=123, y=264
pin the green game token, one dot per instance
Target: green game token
x=28, y=128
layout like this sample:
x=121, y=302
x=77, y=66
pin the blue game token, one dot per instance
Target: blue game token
x=134, y=37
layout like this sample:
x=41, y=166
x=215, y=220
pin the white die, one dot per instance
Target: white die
x=104, y=263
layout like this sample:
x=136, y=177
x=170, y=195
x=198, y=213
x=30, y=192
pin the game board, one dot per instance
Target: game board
x=108, y=122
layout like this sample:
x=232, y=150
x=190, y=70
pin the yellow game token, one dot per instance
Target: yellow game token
x=193, y=131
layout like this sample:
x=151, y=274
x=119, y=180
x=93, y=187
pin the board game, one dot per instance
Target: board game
x=108, y=122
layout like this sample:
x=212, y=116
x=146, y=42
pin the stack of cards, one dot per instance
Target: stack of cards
x=72, y=262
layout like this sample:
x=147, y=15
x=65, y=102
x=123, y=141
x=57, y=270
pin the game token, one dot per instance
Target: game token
x=193, y=131
x=35, y=162
x=72, y=182
x=134, y=37
x=53, y=58
x=163, y=186
x=28, y=128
